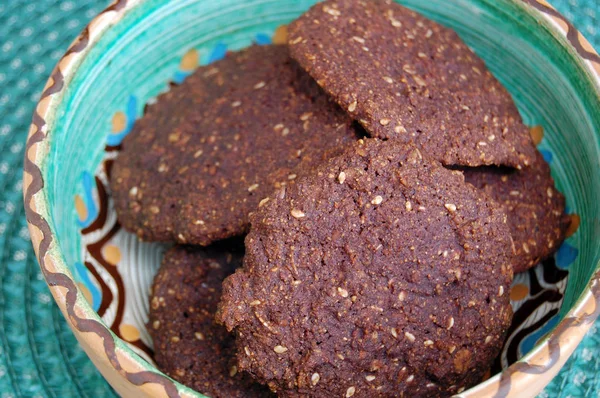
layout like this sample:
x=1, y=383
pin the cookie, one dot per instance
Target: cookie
x=188, y=345
x=380, y=274
x=535, y=209
x=212, y=148
x=404, y=76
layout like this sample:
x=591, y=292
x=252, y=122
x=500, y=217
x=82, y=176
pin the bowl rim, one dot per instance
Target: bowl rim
x=125, y=369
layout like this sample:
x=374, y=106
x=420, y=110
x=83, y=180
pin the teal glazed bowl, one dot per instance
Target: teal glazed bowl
x=131, y=52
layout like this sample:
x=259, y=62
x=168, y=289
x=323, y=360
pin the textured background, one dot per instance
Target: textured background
x=39, y=357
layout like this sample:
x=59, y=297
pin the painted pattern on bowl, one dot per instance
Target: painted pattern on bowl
x=100, y=277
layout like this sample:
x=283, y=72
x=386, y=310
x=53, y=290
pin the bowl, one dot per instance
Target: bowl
x=100, y=275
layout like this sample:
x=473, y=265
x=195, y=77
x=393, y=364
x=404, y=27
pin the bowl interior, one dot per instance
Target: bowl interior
x=157, y=43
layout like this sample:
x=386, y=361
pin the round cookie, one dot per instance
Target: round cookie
x=188, y=345
x=404, y=76
x=210, y=149
x=380, y=274
x=535, y=209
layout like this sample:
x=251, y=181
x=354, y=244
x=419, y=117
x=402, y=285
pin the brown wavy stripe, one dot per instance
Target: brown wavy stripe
x=103, y=209
x=95, y=250
x=107, y=296
x=573, y=34
x=59, y=279
x=554, y=351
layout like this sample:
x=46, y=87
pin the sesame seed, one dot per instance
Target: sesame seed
x=233, y=371
x=408, y=205
x=400, y=129
x=133, y=191
x=358, y=39
x=429, y=385
x=451, y=349
x=370, y=378
x=384, y=122
x=394, y=332
x=422, y=55
x=514, y=193
x=491, y=137
x=156, y=324
x=332, y=11
x=488, y=339
x=305, y=116
x=292, y=177
x=350, y=392
x=154, y=209
x=342, y=292
x=460, y=390
x=296, y=40
x=198, y=154
x=396, y=23
x=181, y=238
x=263, y=202
x=314, y=379
x=450, y=323
x=180, y=372
x=388, y=79
x=252, y=187
x=428, y=33
x=162, y=168
x=377, y=200
x=247, y=351
x=259, y=85
x=235, y=104
x=410, y=378
x=199, y=222
x=427, y=343
x=451, y=207
x=280, y=349
x=175, y=339
x=366, y=49
x=352, y=106
x=401, y=296
x=409, y=336
x=421, y=208
x=199, y=336
x=525, y=248
x=254, y=302
x=500, y=291
x=342, y=177
x=409, y=69
x=297, y=213
x=549, y=192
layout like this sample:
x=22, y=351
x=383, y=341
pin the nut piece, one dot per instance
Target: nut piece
x=280, y=349
x=297, y=213
x=377, y=200
x=314, y=379
x=451, y=207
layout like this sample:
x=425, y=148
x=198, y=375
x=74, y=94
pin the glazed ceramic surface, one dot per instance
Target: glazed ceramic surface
x=100, y=274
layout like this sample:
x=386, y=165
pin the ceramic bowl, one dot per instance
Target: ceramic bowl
x=131, y=52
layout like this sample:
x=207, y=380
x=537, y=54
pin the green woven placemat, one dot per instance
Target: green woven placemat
x=39, y=357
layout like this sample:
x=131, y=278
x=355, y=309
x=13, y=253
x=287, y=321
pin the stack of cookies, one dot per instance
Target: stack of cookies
x=386, y=187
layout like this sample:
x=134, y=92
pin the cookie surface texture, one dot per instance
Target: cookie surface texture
x=210, y=149
x=381, y=273
x=188, y=345
x=535, y=208
x=404, y=76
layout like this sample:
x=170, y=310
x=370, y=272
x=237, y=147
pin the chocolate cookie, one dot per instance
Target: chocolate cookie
x=188, y=345
x=212, y=148
x=381, y=274
x=404, y=76
x=535, y=209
